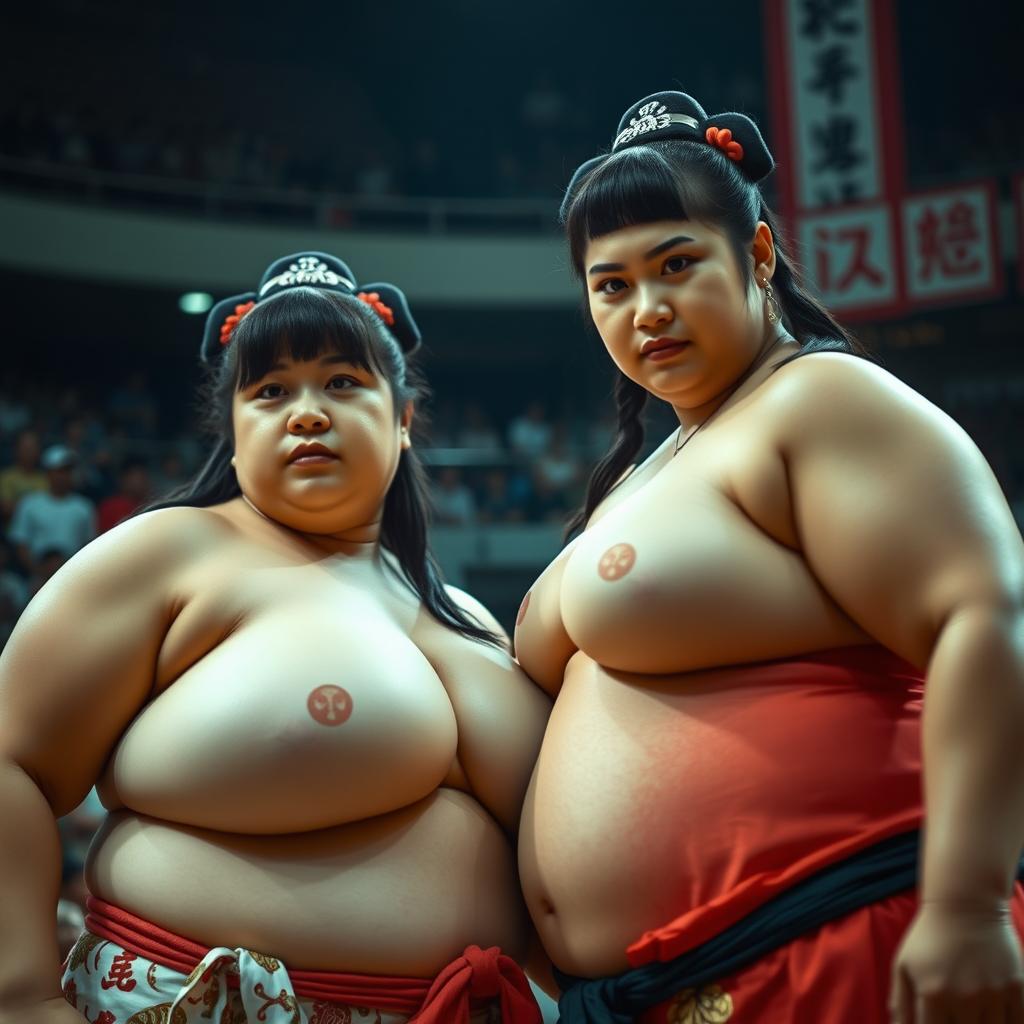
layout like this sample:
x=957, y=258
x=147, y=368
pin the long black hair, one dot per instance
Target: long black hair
x=303, y=323
x=678, y=179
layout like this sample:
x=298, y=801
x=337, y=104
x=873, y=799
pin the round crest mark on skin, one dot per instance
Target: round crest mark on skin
x=521, y=614
x=616, y=562
x=330, y=705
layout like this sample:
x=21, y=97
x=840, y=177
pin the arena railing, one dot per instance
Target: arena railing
x=293, y=206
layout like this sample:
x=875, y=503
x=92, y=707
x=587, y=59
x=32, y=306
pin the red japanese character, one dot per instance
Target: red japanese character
x=944, y=243
x=858, y=266
x=120, y=973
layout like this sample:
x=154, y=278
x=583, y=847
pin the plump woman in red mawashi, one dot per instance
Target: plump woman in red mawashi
x=725, y=820
x=314, y=754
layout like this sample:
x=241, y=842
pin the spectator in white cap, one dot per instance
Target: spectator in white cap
x=56, y=518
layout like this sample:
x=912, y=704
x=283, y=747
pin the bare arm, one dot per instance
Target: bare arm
x=904, y=524
x=76, y=670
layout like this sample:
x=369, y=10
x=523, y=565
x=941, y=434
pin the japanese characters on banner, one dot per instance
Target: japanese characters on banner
x=950, y=245
x=850, y=256
x=869, y=248
x=837, y=144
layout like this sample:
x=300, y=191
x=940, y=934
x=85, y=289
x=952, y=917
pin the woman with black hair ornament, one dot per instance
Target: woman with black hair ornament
x=313, y=753
x=725, y=822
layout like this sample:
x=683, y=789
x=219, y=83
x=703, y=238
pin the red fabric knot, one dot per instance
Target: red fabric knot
x=485, y=981
x=722, y=138
x=480, y=975
x=231, y=322
x=374, y=301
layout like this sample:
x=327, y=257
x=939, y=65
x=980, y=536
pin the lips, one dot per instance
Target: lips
x=311, y=452
x=653, y=345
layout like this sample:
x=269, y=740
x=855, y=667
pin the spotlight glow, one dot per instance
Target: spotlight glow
x=195, y=302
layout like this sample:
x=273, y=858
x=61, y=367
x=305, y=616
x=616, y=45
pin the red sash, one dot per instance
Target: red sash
x=479, y=974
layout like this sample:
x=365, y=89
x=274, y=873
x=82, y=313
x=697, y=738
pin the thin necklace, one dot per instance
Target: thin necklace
x=260, y=513
x=682, y=442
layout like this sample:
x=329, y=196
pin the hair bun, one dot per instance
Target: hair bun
x=400, y=323
x=311, y=270
x=756, y=161
x=676, y=115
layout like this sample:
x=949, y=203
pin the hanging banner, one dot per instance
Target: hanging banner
x=869, y=248
x=951, y=244
x=835, y=101
x=849, y=254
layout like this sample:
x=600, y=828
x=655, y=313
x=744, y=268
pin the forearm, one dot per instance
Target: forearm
x=974, y=758
x=30, y=880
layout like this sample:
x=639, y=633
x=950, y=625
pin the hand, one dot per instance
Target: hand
x=958, y=964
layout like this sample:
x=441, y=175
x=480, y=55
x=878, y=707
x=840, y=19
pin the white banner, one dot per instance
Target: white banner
x=836, y=132
x=949, y=245
x=849, y=256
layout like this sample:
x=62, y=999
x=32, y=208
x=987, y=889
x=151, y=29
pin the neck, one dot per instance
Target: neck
x=362, y=542
x=778, y=343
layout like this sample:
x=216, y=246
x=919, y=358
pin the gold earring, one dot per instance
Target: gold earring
x=771, y=303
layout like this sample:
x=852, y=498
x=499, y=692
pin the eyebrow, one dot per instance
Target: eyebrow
x=604, y=268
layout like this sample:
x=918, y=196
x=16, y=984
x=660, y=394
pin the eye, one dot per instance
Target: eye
x=676, y=264
x=340, y=382
x=270, y=391
x=611, y=286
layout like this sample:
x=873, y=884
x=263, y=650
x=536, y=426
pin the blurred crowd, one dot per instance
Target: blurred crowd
x=549, y=134
x=372, y=158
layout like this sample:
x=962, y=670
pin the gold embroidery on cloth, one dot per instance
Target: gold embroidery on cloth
x=158, y=1015
x=86, y=943
x=268, y=963
x=709, y=1005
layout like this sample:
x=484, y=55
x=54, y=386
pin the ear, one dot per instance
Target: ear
x=405, y=422
x=763, y=251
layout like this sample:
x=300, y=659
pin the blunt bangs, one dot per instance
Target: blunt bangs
x=303, y=324
x=671, y=180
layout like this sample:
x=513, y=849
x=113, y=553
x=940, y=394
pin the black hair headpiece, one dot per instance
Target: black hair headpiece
x=311, y=270
x=675, y=115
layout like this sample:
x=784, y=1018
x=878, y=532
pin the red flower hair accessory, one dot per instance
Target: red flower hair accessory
x=231, y=322
x=373, y=300
x=722, y=138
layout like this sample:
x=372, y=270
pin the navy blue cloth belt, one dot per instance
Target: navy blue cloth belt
x=874, y=874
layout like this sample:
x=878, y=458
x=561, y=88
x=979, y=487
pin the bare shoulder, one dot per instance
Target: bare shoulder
x=837, y=387
x=79, y=664
x=898, y=514
x=124, y=573
x=138, y=551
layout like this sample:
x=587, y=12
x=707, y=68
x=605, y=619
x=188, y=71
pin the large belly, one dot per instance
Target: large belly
x=656, y=795
x=298, y=721
x=402, y=894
